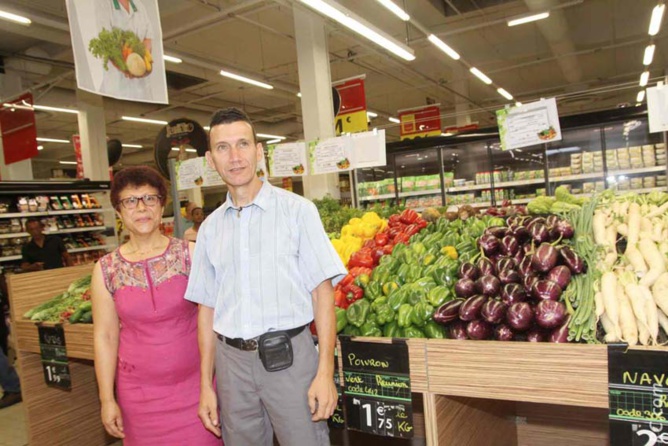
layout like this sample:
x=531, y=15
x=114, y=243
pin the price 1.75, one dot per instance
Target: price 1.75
x=380, y=418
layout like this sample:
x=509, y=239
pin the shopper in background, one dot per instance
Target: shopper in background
x=263, y=268
x=145, y=333
x=197, y=219
x=43, y=251
x=190, y=206
x=9, y=381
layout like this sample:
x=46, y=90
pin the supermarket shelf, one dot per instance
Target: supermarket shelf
x=418, y=193
x=485, y=204
x=582, y=176
x=521, y=200
x=10, y=258
x=14, y=235
x=46, y=213
x=90, y=248
x=519, y=183
x=377, y=197
x=468, y=188
x=645, y=190
x=653, y=169
x=60, y=231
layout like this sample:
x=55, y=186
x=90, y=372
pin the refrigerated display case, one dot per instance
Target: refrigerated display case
x=419, y=179
x=519, y=175
x=467, y=173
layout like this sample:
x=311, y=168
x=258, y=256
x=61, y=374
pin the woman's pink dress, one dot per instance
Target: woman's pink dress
x=158, y=372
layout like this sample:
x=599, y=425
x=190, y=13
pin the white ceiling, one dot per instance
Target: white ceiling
x=587, y=53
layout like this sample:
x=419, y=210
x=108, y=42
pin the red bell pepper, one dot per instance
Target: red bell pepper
x=340, y=299
x=359, y=270
x=412, y=229
x=361, y=258
x=421, y=223
x=354, y=293
x=346, y=280
x=382, y=238
x=369, y=244
x=387, y=249
x=402, y=238
x=311, y=327
x=393, y=220
x=377, y=254
x=408, y=216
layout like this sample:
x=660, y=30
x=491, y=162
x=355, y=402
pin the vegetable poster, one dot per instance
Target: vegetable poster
x=529, y=125
x=117, y=47
x=287, y=160
x=330, y=155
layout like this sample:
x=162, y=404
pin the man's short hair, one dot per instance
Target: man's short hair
x=229, y=116
x=34, y=220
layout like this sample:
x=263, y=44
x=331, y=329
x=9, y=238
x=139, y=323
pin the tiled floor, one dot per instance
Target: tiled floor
x=12, y=426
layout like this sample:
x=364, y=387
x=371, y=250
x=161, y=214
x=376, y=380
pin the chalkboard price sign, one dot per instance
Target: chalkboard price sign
x=337, y=420
x=54, y=356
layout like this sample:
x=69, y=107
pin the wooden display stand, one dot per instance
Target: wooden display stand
x=55, y=416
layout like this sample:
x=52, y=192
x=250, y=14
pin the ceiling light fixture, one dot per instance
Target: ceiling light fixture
x=172, y=59
x=528, y=18
x=15, y=18
x=273, y=141
x=443, y=47
x=132, y=146
x=396, y=10
x=393, y=119
x=143, y=120
x=55, y=109
x=246, y=80
x=641, y=96
x=68, y=162
x=351, y=21
x=265, y=135
x=505, y=94
x=655, y=21
x=40, y=147
x=207, y=128
x=644, y=78
x=480, y=75
x=299, y=94
x=176, y=149
x=61, y=141
x=371, y=114
x=518, y=104
x=649, y=55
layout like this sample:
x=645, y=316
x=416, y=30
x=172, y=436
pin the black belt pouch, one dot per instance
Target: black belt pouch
x=275, y=349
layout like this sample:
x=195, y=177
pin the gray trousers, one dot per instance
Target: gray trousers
x=255, y=403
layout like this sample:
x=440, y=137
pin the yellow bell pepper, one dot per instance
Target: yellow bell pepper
x=354, y=221
x=450, y=251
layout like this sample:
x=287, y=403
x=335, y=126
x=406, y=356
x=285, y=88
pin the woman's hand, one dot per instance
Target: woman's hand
x=112, y=419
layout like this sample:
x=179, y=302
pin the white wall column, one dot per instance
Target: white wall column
x=93, y=133
x=315, y=84
x=10, y=85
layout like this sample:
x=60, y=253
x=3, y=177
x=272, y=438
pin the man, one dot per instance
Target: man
x=197, y=216
x=263, y=267
x=43, y=251
x=9, y=381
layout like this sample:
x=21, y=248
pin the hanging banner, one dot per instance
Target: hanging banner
x=19, y=134
x=330, y=155
x=350, y=106
x=657, y=108
x=420, y=122
x=117, y=47
x=76, y=140
x=287, y=160
x=529, y=124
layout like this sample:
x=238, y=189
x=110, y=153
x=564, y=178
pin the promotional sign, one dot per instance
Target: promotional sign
x=350, y=106
x=117, y=48
x=638, y=395
x=529, y=124
x=330, y=155
x=54, y=356
x=19, y=134
x=178, y=133
x=369, y=149
x=377, y=392
x=420, y=122
x=287, y=159
x=657, y=108
x=76, y=140
x=195, y=172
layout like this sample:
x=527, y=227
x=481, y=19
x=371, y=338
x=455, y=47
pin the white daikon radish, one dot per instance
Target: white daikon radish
x=654, y=259
x=660, y=292
x=610, y=330
x=627, y=320
x=636, y=260
x=634, y=223
x=609, y=292
x=651, y=312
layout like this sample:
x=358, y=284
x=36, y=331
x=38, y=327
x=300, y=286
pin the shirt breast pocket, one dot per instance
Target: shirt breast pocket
x=279, y=239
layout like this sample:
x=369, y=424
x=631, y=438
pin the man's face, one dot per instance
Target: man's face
x=34, y=229
x=198, y=215
x=234, y=153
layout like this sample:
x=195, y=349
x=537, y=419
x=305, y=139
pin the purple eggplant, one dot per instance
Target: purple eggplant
x=448, y=312
x=513, y=292
x=519, y=256
x=497, y=231
x=546, y=290
x=486, y=267
x=529, y=281
x=494, y=311
x=528, y=249
x=478, y=330
x=458, y=331
x=536, y=335
x=509, y=245
x=503, y=333
x=540, y=233
x=572, y=260
x=521, y=233
x=509, y=276
x=489, y=244
x=552, y=220
x=519, y=316
x=560, y=275
x=488, y=285
x=545, y=258
x=470, y=309
x=559, y=335
x=504, y=263
x=564, y=229
x=530, y=223
x=524, y=267
x=550, y=314
x=465, y=288
x=468, y=271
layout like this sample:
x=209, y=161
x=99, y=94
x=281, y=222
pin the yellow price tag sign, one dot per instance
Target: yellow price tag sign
x=351, y=123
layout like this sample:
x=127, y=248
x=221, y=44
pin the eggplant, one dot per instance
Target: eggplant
x=545, y=258
x=564, y=229
x=478, y=330
x=488, y=285
x=513, y=221
x=524, y=267
x=509, y=245
x=552, y=220
x=504, y=263
x=509, y=276
x=503, y=333
x=521, y=233
x=519, y=256
x=465, y=288
x=458, y=331
x=531, y=222
x=536, y=335
x=485, y=267
x=550, y=314
x=572, y=260
x=529, y=281
x=560, y=275
x=528, y=248
x=470, y=309
x=448, y=312
x=494, y=311
x=546, y=290
x=489, y=244
x=559, y=335
x=519, y=316
x=497, y=231
x=513, y=292
x=468, y=271
x=540, y=233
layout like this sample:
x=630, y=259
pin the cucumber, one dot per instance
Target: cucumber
x=87, y=317
x=76, y=316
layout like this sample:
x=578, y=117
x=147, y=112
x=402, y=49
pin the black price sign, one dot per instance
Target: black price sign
x=377, y=388
x=638, y=395
x=337, y=420
x=54, y=356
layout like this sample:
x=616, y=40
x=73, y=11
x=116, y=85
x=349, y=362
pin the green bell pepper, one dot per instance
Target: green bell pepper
x=426, y=283
x=341, y=319
x=389, y=286
x=370, y=329
x=385, y=314
x=351, y=330
x=444, y=277
x=398, y=249
x=428, y=259
x=371, y=317
x=418, y=248
x=434, y=331
x=402, y=273
x=413, y=332
x=414, y=273
x=357, y=312
x=405, y=315
x=362, y=281
x=392, y=330
x=378, y=303
x=397, y=298
x=373, y=291
x=439, y=295
x=415, y=293
x=422, y=312
x=380, y=274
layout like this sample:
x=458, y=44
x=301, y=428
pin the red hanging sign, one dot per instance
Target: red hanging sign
x=19, y=134
x=76, y=140
x=420, y=122
x=350, y=106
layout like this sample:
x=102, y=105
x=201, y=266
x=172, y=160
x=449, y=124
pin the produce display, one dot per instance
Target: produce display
x=73, y=305
x=124, y=50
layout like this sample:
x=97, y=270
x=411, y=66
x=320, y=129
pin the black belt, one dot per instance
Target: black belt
x=249, y=345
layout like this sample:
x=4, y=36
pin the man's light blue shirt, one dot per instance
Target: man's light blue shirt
x=256, y=266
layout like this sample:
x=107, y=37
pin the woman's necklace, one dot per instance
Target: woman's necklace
x=143, y=252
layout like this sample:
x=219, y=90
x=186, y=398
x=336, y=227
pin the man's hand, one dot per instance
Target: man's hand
x=208, y=410
x=322, y=397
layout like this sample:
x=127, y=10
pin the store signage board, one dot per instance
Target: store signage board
x=330, y=155
x=529, y=124
x=638, y=395
x=76, y=140
x=657, y=108
x=19, y=134
x=337, y=420
x=377, y=388
x=369, y=149
x=195, y=172
x=54, y=356
x=287, y=159
x=420, y=122
x=350, y=106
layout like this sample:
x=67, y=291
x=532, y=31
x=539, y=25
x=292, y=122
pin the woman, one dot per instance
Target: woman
x=145, y=331
x=190, y=234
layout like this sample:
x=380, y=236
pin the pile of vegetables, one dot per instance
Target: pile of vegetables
x=354, y=235
x=123, y=49
x=73, y=305
x=563, y=201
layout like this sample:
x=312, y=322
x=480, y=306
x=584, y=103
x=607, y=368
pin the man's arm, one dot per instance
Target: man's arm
x=67, y=260
x=27, y=265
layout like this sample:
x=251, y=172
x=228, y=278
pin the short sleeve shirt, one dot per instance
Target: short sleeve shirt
x=51, y=254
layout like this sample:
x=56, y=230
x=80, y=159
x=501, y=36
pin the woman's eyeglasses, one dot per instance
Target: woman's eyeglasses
x=148, y=200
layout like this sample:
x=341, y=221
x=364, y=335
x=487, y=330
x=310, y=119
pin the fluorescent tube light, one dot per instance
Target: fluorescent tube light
x=61, y=141
x=649, y=54
x=351, y=21
x=644, y=78
x=443, y=47
x=68, y=162
x=176, y=149
x=505, y=94
x=480, y=75
x=299, y=94
x=40, y=147
x=273, y=141
x=528, y=18
x=371, y=114
x=246, y=80
x=518, y=104
x=389, y=4
x=655, y=21
x=14, y=18
x=55, y=109
x=143, y=120
x=393, y=119
x=641, y=96
x=171, y=59
x=207, y=128
x=265, y=135
x=132, y=146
